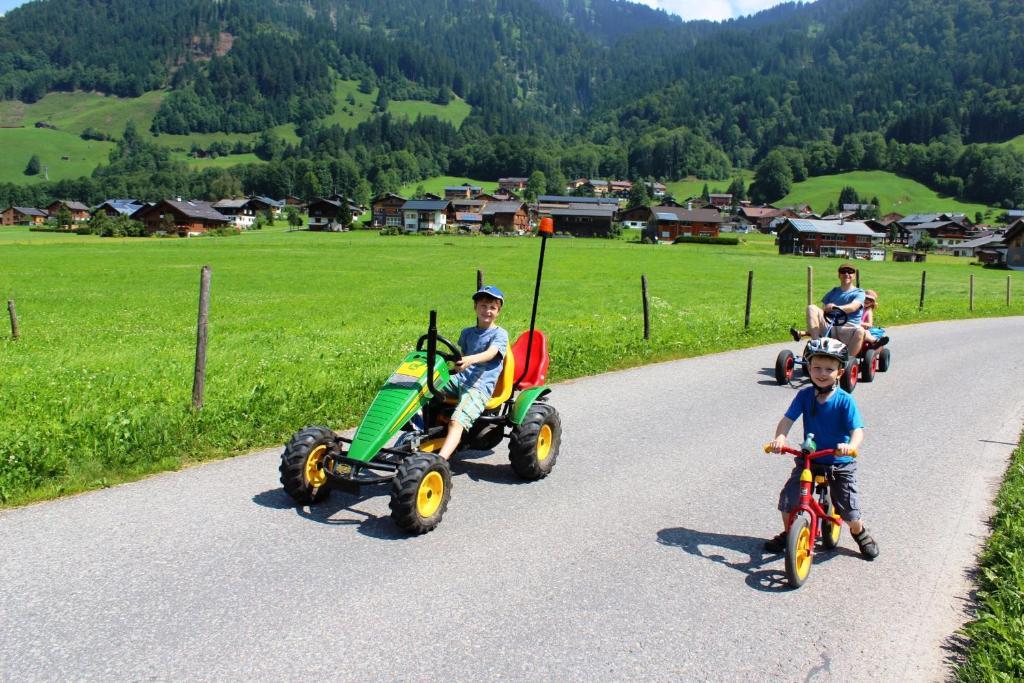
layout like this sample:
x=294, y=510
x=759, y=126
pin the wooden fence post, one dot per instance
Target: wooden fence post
x=858, y=277
x=971, y=294
x=750, y=289
x=924, y=274
x=810, y=285
x=479, y=279
x=1007, y=290
x=14, y=318
x=647, y=308
x=199, y=379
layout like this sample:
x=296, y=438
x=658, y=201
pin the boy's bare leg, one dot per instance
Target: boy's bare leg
x=451, y=440
x=856, y=527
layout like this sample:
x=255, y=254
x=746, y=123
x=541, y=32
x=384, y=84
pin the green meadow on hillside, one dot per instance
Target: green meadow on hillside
x=52, y=146
x=898, y=194
x=97, y=389
x=436, y=185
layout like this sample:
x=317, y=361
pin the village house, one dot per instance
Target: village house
x=22, y=215
x=467, y=220
x=261, y=204
x=760, y=217
x=848, y=239
x=386, y=210
x=668, y=222
x=420, y=215
x=945, y=233
x=507, y=216
x=291, y=200
x=512, y=184
x=79, y=211
x=635, y=218
x=720, y=200
x=464, y=191
x=1013, y=240
x=331, y=215
x=619, y=188
x=240, y=211
x=184, y=218
x=118, y=207
x=583, y=220
x=970, y=248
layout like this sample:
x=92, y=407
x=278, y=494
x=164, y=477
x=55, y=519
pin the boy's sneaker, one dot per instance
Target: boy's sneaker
x=794, y=333
x=868, y=547
x=776, y=544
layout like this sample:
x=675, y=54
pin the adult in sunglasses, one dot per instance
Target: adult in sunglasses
x=848, y=298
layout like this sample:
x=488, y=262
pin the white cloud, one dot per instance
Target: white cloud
x=714, y=10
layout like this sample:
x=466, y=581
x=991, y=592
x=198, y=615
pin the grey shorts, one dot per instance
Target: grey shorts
x=842, y=479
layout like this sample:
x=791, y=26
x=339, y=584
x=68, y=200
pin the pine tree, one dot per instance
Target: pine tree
x=35, y=166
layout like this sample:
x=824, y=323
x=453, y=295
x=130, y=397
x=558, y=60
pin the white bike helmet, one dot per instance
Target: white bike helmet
x=826, y=346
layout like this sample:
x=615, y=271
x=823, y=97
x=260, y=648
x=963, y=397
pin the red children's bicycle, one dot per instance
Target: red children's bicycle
x=813, y=517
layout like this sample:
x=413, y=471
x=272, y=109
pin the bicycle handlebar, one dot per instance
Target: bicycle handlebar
x=768, y=448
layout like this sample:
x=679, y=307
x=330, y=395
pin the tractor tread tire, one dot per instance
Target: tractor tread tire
x=522, y=447
x=293, y=464
x=405, y=490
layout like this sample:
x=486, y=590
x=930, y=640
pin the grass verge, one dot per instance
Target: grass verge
x=995, y=651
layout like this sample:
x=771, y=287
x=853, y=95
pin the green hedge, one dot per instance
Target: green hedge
x=733, y=241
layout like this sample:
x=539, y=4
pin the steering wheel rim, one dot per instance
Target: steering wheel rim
x=837, y=317
x=453, y=355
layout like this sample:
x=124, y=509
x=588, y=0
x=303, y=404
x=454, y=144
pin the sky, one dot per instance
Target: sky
x=715, y=10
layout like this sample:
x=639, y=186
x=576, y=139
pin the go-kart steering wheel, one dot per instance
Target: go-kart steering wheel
x=453, y=355
x=837, y=317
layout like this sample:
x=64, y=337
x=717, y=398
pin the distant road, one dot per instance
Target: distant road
x=638, y=558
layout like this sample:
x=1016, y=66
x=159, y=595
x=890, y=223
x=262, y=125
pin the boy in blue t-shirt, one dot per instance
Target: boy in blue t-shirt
x=832, y=416
x=483, y=346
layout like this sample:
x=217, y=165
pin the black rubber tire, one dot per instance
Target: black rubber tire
x=830, y=530
x=849, y=379
x=867, y=366
x=883, y=360
x=784, y=366
x=527, y=462
x=799, y=554
x=296, y=454
x=405, y=490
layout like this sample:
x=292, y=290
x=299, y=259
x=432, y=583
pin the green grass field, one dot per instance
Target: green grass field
x=1016, y=143
x=895, y=194
x=19, y=144
x=436, y=185
x=74, y=112
x=97, y=389
x=692, y=187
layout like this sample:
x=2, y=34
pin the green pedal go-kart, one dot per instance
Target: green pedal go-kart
x=411, y=413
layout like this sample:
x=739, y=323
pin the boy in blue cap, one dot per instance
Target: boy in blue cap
x=483, y=347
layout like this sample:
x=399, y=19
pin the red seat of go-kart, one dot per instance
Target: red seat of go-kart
x=537, y=373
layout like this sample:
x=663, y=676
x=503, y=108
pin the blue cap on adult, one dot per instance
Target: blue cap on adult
x=491, y=291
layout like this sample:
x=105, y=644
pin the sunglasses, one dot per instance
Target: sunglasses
x=846, y=271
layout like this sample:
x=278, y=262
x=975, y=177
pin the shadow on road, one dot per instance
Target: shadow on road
x=702, y=543
x=796, y=382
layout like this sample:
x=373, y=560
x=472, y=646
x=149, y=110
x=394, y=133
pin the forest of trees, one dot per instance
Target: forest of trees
x=564, y=87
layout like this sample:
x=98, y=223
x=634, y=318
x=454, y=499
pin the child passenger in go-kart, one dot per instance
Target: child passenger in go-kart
x=873, y=335
x=831, y=415
x=846, y=298
x=483, y=346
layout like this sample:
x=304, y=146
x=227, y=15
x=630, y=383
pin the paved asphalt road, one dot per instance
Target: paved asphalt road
x=638, y=558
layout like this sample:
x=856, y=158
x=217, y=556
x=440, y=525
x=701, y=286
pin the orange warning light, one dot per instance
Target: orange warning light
x=547, y=226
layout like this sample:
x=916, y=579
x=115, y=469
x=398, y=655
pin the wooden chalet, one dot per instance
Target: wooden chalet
x=79, y=211
x=507, y=216
x=512, y=184
x=760, y=217
x=1013, y=239
x=118, y=207
x=946, y=234
x=720, y=200
x=22, y=215
x=583, y=220
x=847, y=239
x=636, y=217
x=331, y=214
x=181, y=217
x=259, y=203
x=386, y=210
x=669, y=222
x=464, y=191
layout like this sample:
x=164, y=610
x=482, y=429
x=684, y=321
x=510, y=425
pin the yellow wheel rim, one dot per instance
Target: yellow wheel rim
x=803, y=552
x=315, y=474
x=836, y=528
x=429, y=496
x=544, y=443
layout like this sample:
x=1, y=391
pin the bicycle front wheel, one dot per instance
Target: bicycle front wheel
x=799, y=550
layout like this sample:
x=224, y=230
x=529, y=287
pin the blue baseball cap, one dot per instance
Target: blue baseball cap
x=491, y=291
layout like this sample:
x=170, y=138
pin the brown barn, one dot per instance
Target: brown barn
x=583, y=220
x=181, y=217
x=507, y=216
x=79, y=211
x=22, y=215
x=669, y=222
